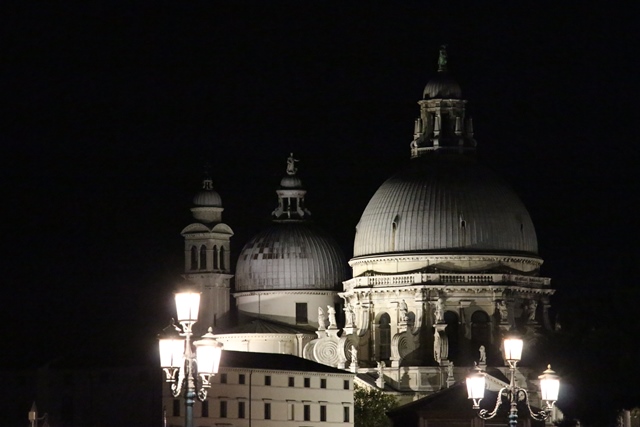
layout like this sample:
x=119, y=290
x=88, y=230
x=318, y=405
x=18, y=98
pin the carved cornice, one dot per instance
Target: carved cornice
x=448, y=279
x=262, y=336
x=284, y=292
x=434, y=258
x=452, y=289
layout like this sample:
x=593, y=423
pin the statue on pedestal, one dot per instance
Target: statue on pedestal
x=322, y=320
x=332, y=317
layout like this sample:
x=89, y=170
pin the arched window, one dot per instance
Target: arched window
x=215, y=257
x=203, y=257
x=480, y=328
x=194, y=258
x=452, y=331
x=222, y=254
x=384, y=337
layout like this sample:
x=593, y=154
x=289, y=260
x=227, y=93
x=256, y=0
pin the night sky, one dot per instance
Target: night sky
x=112, y=109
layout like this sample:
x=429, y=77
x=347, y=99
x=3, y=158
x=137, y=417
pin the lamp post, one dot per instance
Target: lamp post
x=181, y=365
x=549, y=387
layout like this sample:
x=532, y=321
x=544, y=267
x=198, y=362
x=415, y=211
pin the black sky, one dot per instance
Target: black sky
x=111, y=109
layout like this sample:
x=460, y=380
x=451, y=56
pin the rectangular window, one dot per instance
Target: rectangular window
x=292, y=382
x=291, y=412
x=307, y=412
x=223, y=409
x=307, y=382
x=301, y=313
x=223, y=378
x=205, y=409
x=241, y=379
x=240, y=409
x=176, y=407
x=346, y=384
x=323, y=413
x=345, y=414
x=323, y=383
x=267, y=411
x=267, y=380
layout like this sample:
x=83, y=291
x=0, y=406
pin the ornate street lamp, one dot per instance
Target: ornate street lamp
x=178, y=359
x=549, y=387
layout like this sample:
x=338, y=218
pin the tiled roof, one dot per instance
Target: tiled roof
x=286, y=362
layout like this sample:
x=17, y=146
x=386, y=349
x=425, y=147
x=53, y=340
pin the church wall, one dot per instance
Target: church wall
x=286, y=402
x=261, y=343
x=280, y=306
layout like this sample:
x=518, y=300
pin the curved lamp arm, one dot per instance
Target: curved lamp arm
x=485, y=414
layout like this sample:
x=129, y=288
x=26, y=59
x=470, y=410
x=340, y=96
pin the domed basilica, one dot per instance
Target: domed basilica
x=445, y=262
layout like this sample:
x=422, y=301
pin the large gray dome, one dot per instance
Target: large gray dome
x=445, y=203
x=291, y=255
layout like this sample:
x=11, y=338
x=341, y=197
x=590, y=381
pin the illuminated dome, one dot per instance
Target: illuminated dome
x=445, y=203
x=293, y=254
x=290, y=255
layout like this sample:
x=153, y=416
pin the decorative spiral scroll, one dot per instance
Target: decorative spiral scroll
x=405, y=345
x=309, y=350
x=326, y=352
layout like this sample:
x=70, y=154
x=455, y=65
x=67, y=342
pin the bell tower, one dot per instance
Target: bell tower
x=207, y=258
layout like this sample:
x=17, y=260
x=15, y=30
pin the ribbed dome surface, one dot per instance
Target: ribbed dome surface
x=290, y=255
x=445, y=203
x=291, y=181
x=208, y=198
x=442, y=86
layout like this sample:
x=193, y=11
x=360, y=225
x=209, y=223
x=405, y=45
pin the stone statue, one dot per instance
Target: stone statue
x=380, y=380
x=322, y=320
x=350, y=315
x=483, y=355
x=354, y=353
x=442, y=59
x=503, y=310
x=450, y=369
x=533, y=305
x=437, y=350
x=291, y=165
x=439, y=310
x=403, y=311
x=332, y=317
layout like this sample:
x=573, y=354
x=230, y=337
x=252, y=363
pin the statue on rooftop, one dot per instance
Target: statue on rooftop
x=483, y=355
x=322, y=320
x=403, y=311
x=332, y=317
x=349, y=315
x=291, y=165
x=442, y=59
x=503, y=310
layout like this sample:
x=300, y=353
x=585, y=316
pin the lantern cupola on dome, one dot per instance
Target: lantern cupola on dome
x=208, y=203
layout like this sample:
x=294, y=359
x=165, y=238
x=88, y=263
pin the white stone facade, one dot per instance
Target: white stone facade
x=268, y=398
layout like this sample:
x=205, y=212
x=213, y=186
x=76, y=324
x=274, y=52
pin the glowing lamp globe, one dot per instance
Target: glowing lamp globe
x=513, y=349
x=549, y=386
x=208, y=354
x=187, y=306
x=476, y=384
x=171, y=347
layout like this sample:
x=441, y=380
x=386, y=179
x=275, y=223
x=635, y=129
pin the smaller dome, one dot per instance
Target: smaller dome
x=207, y=197
x=442, y=86
x=291, y=255
x=291, y=181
